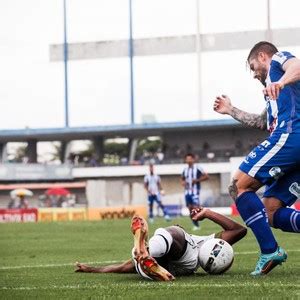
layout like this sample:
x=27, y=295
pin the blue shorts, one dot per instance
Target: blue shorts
x=286, y=188
x=276, y=163
x=154, y=198
x=191, y=199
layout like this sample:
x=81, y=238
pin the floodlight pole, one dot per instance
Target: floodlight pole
x=66, y=66
x=269, y=30
x=131, y=54
x=198, y=53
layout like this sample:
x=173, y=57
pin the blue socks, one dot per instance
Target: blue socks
x=287, y=219
x=151, y=211
x=254, y=215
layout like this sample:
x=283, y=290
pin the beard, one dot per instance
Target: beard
x=263, y=75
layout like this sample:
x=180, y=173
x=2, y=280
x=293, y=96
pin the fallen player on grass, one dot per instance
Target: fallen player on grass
x=171, y=251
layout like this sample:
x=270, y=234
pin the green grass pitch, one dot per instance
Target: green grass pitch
x=37, y=262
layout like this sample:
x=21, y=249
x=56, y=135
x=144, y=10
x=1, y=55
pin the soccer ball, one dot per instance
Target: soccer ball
x=216, y=256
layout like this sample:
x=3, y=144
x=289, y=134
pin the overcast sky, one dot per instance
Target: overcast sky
x=32, y=87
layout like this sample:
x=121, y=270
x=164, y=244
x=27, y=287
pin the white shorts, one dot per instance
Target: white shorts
x=189, y=262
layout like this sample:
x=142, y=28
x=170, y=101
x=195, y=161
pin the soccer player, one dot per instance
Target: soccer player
x=276, y=161
x=171, y=251
x=190, y=180
x=152, y=184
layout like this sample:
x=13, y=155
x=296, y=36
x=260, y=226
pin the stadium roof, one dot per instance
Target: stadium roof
x=128, y=130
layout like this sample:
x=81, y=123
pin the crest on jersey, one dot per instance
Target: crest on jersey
x=295, y=189
x=275, y=172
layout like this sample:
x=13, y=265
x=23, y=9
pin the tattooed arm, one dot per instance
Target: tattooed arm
x=223, y=105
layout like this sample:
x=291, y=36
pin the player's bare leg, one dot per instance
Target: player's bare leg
x=148, y=264
x=139, y=228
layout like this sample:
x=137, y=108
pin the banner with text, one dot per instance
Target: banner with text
x=18, y=215
x=62, y=214
x=124, y=212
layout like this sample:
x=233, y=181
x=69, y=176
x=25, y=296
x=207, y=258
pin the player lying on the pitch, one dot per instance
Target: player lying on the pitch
x=171, y=250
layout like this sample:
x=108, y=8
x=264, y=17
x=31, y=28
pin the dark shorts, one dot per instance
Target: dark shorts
x=154, y=198
x=191, y=199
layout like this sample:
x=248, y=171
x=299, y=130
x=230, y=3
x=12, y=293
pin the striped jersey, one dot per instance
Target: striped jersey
x=284, y=113
x=153, y=182
x=188, y=175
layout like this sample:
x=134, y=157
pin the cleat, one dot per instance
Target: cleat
x=267, y=262
x=167, y=218
x=139, y=228
x=152, y=269
x=146, y=265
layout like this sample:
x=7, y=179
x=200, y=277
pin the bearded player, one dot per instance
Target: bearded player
x=276, y=161
x=171, y=250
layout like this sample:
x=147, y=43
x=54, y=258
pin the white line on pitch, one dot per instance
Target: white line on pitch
x=141, y=284
x=103, y=262
x=256, y=252
x=58, y=265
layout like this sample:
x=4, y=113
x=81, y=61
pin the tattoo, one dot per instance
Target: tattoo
x=233, y=191
x=251, y=120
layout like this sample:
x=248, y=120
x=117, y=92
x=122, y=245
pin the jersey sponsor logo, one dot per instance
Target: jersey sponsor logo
x=295, y=189
x=275, y=172
x=252, y=154
x=265, y=144
x=246, y=160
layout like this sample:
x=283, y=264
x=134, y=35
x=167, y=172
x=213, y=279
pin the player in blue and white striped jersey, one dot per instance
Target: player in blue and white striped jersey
x=276, y=161
x=191, y=177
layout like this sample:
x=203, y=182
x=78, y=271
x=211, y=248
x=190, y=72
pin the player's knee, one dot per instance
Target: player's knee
x=160, y=243
x=233, y=189
x=272, y=205
x=270, y=214
x=241, y=183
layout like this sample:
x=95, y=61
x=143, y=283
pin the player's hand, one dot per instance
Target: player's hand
x=222, y=105
x=162, y=192
x=273, y=90
x=81, y=267
x=198, y=214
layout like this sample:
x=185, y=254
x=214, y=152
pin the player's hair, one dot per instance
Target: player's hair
x=262, y=46
x=189, y=154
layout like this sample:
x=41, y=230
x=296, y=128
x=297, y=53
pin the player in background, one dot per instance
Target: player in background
x=190, y=180
x=152, y=184
x=171, y=250
x=276, y=161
